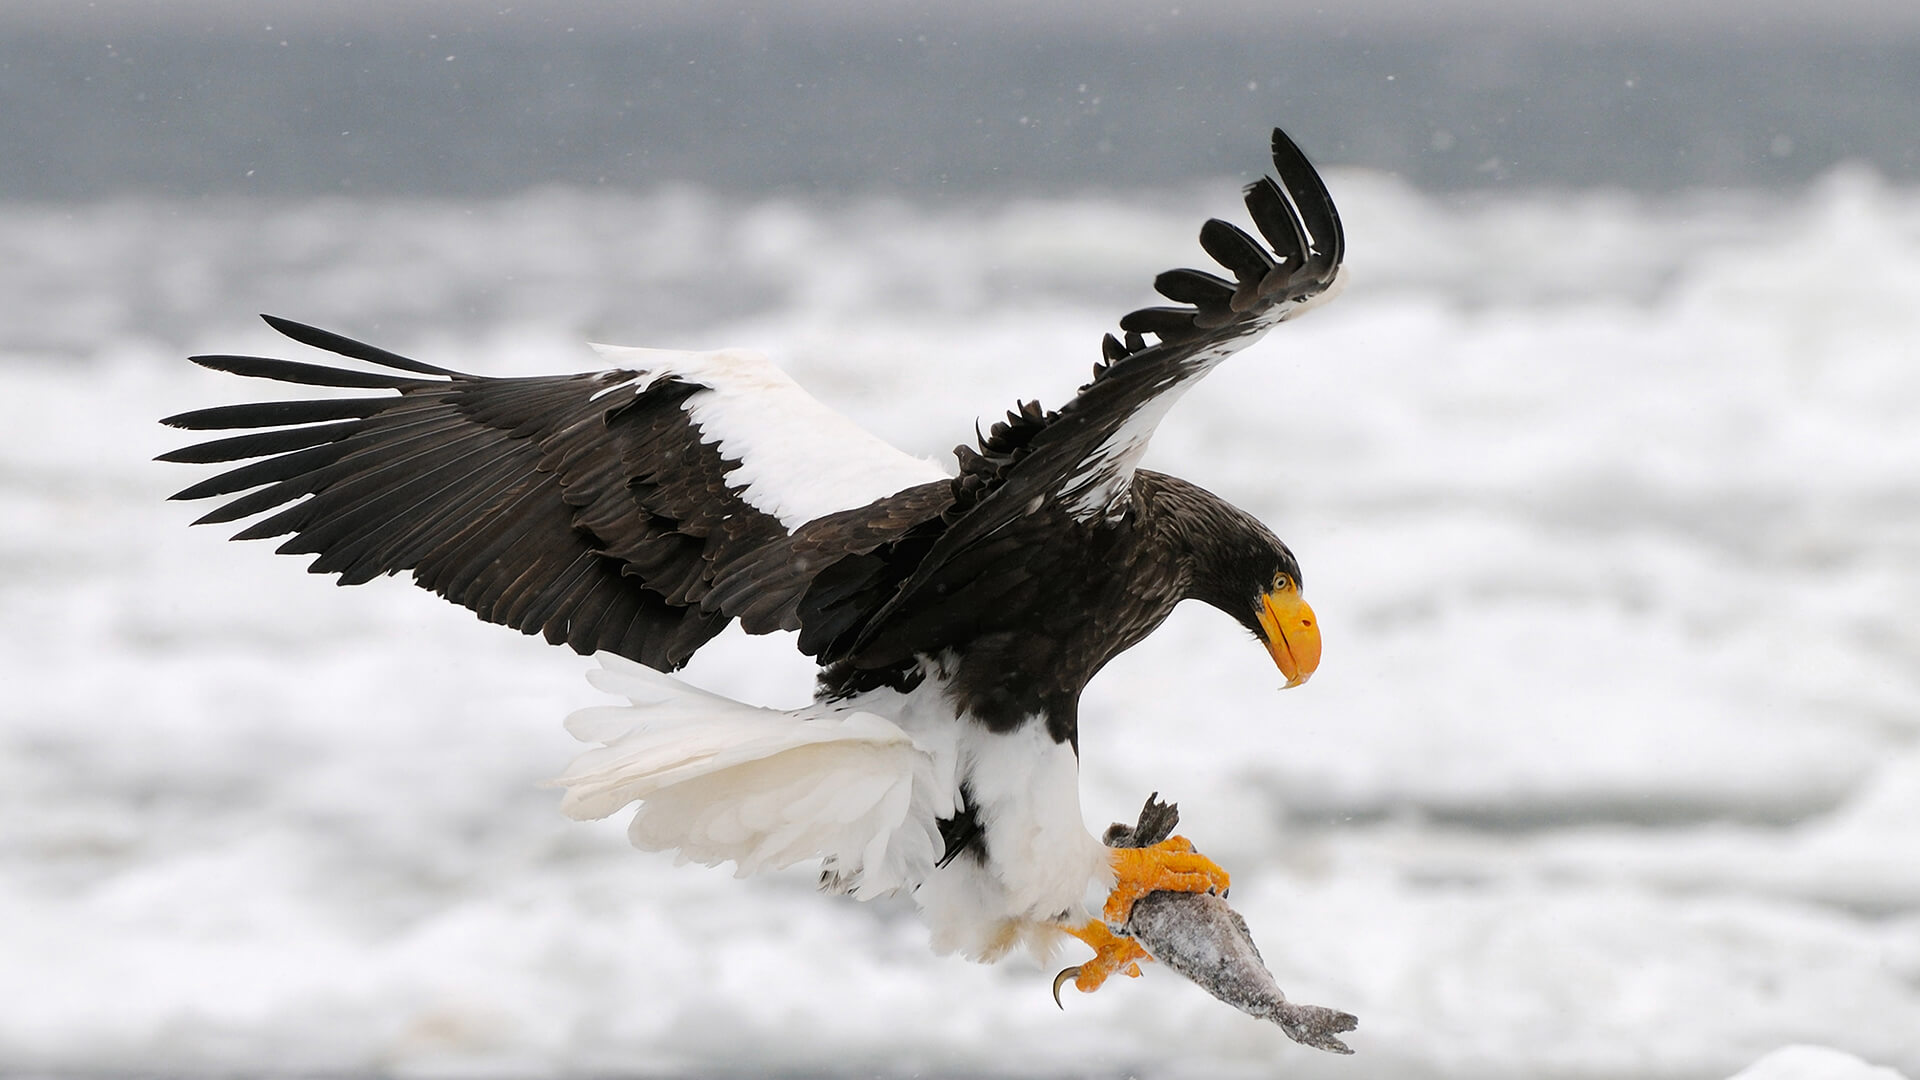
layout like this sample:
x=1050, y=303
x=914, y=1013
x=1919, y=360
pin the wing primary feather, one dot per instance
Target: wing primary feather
x=1310, y=194
x=1278, y=219
x=408, y=548
x=1235, y=250
x=379, y=469
x=259, y=444
x=489, y=488
x=1170, y=323
x=276, y=413
x=287, y=490
x=271, y=470
x=363, y=513
x=308, y=461
x=1196, y=287
x=292, y=371
x=255, y=502
x=365, y=504
x=348, y=347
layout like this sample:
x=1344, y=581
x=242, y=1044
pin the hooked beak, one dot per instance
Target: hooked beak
x=1291, y=632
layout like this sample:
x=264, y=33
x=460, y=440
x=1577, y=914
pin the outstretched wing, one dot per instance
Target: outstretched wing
x=596, y=509
x=1083, y=456
x=1040, y=473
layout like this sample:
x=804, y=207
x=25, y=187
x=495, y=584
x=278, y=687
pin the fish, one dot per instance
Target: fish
x=1199, y=936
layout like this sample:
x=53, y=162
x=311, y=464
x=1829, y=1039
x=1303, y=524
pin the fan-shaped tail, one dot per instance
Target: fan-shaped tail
x=719, y=781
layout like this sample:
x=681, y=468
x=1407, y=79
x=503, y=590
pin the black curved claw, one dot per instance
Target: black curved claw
x=1060, y=980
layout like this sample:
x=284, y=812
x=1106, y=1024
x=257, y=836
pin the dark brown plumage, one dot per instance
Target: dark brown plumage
x=956, y=617
x=594, y=510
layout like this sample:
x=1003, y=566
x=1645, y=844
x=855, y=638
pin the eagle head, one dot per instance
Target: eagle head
x=1247, y=572
x=1282, y=619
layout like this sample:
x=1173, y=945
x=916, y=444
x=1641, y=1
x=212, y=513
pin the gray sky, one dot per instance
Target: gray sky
x=1721, y=16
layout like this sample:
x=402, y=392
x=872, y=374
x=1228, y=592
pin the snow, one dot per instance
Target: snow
x=1609, y=507
x=1813, y=1063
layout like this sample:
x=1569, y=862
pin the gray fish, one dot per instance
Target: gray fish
x=1200, y=937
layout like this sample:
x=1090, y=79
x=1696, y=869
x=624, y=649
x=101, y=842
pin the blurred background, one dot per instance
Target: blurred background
x=1604, y=474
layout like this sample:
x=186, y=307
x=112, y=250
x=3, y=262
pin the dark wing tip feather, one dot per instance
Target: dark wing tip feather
x=1196, y=287
x=292, y=371
x=1169, y=323
x=266, y=470
x=1232, y=248
x=254, y=502
x=259, y=444
x=1301, y=257
x=1309, y=193
x=276, y=413
x=1278, y=219
x=348, y=347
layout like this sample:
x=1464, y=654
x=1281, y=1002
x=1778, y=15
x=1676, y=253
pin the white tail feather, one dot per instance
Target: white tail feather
x=719, y=781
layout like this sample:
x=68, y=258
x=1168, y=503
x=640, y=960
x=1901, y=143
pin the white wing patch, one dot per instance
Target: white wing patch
x=799, y=460
x=1100, y=481
x=719, y=781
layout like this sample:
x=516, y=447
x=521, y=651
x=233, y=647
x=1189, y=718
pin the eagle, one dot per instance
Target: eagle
x=956, y=614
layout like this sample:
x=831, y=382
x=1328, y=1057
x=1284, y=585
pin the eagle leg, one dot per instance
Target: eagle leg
x=1111, y=953
x=1171, y=865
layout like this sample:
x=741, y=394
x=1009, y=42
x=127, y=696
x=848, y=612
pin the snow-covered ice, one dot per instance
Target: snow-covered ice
x=1610, y=508
x=1800, y=1062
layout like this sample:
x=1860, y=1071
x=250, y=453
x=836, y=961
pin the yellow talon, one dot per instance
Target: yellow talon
x=1171, y=865
x=1111, y=953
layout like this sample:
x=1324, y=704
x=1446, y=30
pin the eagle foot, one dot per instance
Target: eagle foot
x=1170, y=865
x=1111, y=953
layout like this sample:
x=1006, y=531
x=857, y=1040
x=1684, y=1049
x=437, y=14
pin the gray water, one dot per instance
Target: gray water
x=934, y=100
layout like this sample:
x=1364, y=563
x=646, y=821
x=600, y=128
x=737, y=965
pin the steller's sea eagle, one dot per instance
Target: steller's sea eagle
x=635, y=512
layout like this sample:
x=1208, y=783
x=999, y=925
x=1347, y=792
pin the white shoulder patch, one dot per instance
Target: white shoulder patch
x=799, y=460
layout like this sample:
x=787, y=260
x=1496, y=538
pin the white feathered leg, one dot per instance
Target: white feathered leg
x=1042, y=868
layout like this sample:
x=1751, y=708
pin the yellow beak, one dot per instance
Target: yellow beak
x=1293, y=636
